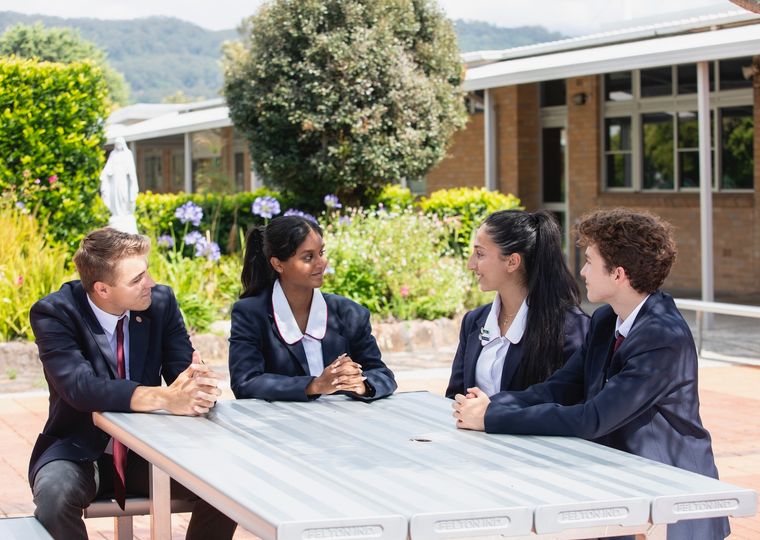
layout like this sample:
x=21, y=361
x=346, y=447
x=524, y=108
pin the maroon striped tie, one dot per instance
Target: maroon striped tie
x=119, y=450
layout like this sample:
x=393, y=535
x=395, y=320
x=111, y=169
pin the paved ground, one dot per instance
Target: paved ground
x=730, y=396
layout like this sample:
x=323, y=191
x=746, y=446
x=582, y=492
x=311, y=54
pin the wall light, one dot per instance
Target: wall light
x=580, y=98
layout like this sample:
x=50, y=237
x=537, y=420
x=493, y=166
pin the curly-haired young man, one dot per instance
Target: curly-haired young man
x=633, y=383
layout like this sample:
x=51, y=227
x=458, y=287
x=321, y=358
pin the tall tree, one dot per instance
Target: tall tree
x=63, y=45
x=345, y=95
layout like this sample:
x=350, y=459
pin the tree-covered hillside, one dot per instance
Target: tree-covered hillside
x=160, y=56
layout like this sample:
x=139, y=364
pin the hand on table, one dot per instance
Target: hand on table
x=470, y=410
x=195, y=390
x=342, y=375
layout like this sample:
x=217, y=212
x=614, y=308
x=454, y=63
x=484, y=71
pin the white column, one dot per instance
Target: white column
x=705, y=185
x=188, y=164
x=160, y=505
x=489, y=134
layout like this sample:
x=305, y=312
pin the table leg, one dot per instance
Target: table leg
x=655, y=532
x=160, y=505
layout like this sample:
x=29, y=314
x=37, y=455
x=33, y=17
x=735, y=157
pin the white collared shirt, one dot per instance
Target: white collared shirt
x=316, y=327
x=490, y=365
x=108, y=323
x=623, y=327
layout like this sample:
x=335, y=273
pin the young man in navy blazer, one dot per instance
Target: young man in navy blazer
x=105, y=342
x=633, y=383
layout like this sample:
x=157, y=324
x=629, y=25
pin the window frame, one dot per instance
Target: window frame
x=673, y=105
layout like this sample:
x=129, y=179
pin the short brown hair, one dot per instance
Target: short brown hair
x=102, y=249
x=639, y=242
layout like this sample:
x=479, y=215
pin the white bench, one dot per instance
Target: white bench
x=23, y=528
x=133, y=506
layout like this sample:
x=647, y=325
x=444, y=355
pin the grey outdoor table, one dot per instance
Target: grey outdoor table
x=398, y=468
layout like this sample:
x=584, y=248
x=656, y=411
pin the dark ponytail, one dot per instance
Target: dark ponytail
x=551, y=287
x=280, y=239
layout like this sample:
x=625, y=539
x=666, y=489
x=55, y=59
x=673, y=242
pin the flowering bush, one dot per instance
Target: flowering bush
x=396, y=264
x=463, y=209
x=31, y=268
x=266, y=207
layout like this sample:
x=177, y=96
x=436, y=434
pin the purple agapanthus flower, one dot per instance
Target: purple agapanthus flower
x=266, y=207
x=344, y=220
x=210, y=250
x=296, y=212
x=165, y=241
x=20, y=205
x=193, y=237
x=189, y=212
x=332, y=202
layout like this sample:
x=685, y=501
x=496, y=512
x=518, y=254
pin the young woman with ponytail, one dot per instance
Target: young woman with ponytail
x=289, y=341
x=535, y=323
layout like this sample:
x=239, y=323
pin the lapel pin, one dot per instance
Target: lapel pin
x=138, y=319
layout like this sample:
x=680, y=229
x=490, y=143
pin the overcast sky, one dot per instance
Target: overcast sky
x=573, y=17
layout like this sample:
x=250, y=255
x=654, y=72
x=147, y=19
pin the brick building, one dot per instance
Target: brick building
x=596, y=121
x=611, y=120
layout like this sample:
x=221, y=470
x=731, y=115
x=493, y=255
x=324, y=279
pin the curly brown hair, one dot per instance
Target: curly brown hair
x=639, y=242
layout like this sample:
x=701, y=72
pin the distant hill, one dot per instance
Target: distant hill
x=480, y=36
x=160, y=56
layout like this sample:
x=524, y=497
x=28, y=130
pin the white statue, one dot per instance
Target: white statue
x=118, y=187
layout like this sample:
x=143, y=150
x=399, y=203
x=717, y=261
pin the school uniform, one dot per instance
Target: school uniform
x=490, y=361
x=641, y=398
x=270, y=358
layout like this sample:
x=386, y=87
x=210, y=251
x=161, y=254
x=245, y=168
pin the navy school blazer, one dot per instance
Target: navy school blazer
x=643, y=401
x=468, y=352
x=80, y=367
x=263, y=366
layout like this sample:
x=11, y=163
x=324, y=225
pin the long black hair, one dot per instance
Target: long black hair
x=551, y=288
x=280, y=238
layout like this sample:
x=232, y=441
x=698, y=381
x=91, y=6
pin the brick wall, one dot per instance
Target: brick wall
x=464, y=164
x=583, y=149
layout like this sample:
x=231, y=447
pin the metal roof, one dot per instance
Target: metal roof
x=639, y=29
x=175, y=123
x=663, y=51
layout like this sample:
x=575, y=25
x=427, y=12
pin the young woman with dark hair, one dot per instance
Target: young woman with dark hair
x=535, y=323
x=289, y=341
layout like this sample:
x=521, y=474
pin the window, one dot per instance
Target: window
x=553, y=93
x=737, y=129
x=617, y=149
x=656, y=82
x=618, y=86
x=731, y=75
x=651, y=135
x=152, y=179
x=657, y=148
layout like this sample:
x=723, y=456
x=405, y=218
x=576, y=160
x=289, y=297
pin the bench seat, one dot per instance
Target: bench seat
x=23, y=528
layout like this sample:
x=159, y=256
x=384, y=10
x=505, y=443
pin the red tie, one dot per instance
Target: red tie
x=119, y=450
x=618, y=341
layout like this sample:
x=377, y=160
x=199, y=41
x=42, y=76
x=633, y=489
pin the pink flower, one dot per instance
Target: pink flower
x=36, y=180
x=404, y=291
x=53, y=179
x=20, y=281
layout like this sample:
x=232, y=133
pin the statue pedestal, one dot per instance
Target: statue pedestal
x=126, y=223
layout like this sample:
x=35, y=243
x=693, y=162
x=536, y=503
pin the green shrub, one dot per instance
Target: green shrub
x=224, y=216
x=205, y=289
x=393, y=196
x=338, y=96
x=392, y=264
x=51, y=143
x=463, y=209
x=31, y=268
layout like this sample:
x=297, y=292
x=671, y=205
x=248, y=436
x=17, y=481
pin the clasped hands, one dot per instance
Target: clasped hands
x=343, y=374
x=195, y=390
x=470, y=409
